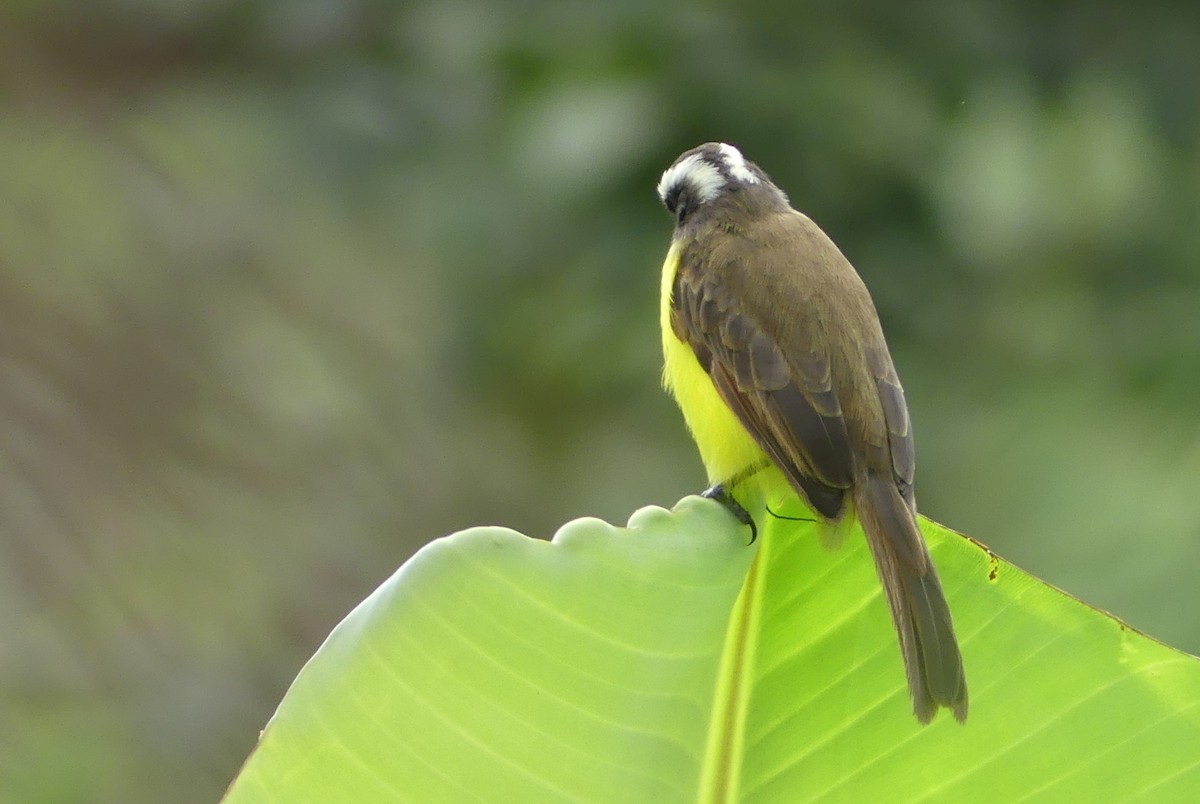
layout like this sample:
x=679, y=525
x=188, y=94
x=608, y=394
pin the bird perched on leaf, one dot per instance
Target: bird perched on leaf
x=774, y=352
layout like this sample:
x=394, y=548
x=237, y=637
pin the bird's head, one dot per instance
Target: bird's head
x=710, y=174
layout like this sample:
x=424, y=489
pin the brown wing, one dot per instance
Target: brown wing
x=788, y=404
x=895, y=416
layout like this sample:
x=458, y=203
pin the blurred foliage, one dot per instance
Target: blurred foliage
x=287, y=288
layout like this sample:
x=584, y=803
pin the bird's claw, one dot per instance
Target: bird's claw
x=720, y=494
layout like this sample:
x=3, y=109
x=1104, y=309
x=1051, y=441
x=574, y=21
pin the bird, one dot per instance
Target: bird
x=775, y=355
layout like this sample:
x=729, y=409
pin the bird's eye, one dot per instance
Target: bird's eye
x=672, y=198
x=679, y=203
x=684, y=208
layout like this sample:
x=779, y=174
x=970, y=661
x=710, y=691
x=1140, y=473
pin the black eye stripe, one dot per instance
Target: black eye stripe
x=672, y=199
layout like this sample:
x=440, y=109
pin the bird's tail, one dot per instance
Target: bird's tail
x=931, y=657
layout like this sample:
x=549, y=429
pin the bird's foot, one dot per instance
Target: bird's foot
x=720, y=494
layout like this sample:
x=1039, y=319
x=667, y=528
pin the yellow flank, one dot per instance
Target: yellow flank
x=725, y=446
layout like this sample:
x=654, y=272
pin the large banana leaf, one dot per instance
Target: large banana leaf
x=671, y=662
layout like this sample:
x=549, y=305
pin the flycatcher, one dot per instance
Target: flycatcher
x=774, y=352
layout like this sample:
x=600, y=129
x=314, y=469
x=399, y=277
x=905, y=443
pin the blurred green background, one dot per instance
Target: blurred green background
x=289, y=288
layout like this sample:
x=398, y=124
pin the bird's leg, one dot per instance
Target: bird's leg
x=720, y=492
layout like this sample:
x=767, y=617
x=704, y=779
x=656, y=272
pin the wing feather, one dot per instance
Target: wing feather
x=895, y=416
x=788, y=406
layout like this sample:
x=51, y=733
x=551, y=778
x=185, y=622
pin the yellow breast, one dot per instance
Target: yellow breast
x=725, y=446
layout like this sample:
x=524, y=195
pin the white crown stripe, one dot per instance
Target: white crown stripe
x=737, y=164
x=704, y=178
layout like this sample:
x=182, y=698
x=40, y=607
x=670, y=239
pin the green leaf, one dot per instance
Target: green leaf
x=606, y=666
